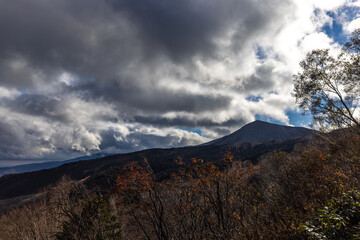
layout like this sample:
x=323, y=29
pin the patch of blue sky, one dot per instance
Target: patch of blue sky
x=254, y=98
x=194, y=130
x=335, y=29
x=266, y=118
x=263, y=54
x=295, y=118
x=260, y=53
x=298, y=119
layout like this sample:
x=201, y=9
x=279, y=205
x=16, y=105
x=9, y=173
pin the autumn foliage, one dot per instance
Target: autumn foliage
x=285, y=196
x=233, y=200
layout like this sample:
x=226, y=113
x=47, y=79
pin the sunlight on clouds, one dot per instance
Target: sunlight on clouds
x=67, y=78
x=9, y=93
x=353, y=25
x=329, y=5
x=318, y=40
x=356, y=3
x=123, y=79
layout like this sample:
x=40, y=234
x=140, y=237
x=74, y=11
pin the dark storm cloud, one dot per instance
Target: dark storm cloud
x=167, y=101
x=179, y=28
x=9, y=141
x=183, y=121
x=47, y=37
x=38, y=105
x=17, y=141
x=156, y=100
x=185, y=28
x=262, y=80
x=81, y=67
x=99, y=39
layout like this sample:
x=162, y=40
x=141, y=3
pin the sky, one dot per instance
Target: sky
x=80, y=77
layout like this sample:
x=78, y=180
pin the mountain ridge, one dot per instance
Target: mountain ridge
x=101, y=172
x=260, y=132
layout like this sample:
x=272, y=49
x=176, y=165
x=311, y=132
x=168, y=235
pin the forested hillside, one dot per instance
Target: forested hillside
x=309, y=193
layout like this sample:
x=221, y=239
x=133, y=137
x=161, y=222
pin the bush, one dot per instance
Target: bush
x=92, y=219
x=339, y=219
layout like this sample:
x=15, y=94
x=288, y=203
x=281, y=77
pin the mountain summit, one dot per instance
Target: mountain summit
x=259, y=132
x=102, y=172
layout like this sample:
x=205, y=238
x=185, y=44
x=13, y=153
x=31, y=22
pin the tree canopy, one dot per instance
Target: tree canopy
x=328, y=87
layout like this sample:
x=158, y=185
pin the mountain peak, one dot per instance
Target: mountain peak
x=258, y=122
x=260, y=131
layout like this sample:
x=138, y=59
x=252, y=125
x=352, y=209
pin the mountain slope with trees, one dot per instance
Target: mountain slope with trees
x=102, y=171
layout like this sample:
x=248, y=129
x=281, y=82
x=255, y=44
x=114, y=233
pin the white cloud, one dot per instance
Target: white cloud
x=8, y=93
x=356, y=3
x=90, y=97
x=328, y=5
x=353, y=25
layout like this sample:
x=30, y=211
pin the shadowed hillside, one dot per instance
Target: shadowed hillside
x=102, y=171
x=259, y=132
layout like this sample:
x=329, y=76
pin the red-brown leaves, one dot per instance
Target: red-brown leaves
x=134, y=178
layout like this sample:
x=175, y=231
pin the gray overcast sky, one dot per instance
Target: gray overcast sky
x=78, y=77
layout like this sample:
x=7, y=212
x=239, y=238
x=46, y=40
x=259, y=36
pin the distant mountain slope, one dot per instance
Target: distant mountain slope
x=260, y=132
x=248, y=144
x=45, y=165
x=102, y=171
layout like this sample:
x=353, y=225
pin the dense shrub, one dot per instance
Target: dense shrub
x=339, y=219
x=92, y=219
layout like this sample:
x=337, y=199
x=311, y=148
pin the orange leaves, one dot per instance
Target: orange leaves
x=228, y=158
x=236, y=216
x=228, y=199
x=178, y=161
x=135, y=178
x=199, y=173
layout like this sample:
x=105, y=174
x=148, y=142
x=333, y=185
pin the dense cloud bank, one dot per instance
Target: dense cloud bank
x=120, y=75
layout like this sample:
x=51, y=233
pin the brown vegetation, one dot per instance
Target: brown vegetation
x=229, y=201
x=274, y=199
